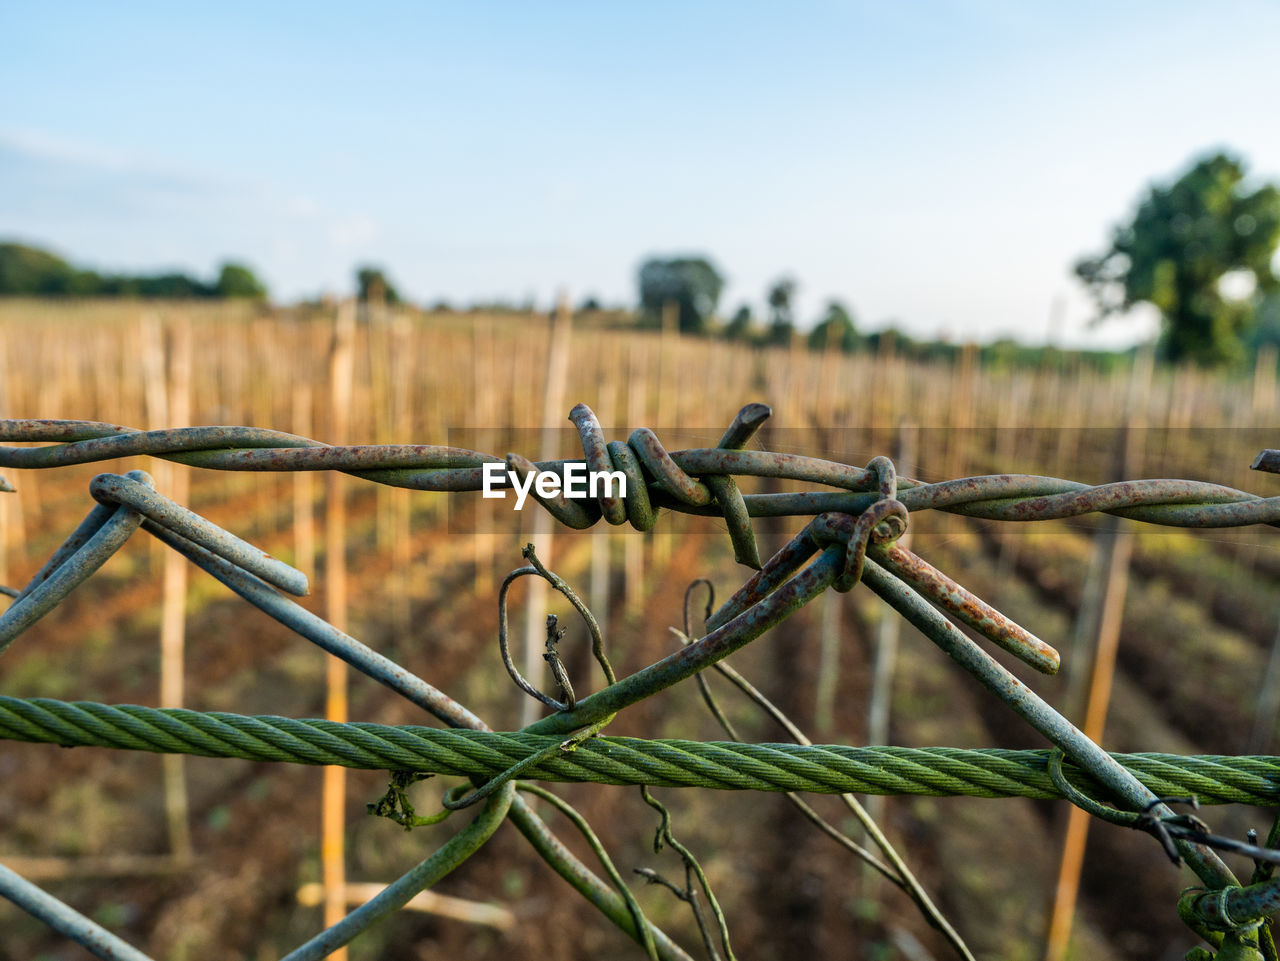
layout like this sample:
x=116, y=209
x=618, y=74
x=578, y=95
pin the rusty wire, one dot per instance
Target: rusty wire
x=675, y=480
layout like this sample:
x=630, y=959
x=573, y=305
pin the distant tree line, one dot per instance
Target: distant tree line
x=687, y=288
x=30, y=272
x=1201, y=250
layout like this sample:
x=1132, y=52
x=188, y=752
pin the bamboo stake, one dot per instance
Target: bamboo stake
x=669, y=347
x=428, y=902
x=1070, y=410
x=602, y=536
x=1006, y=445
x=155, y=404
x=304, y=521
x=333, y=801
x=167, y=399
x=1115, y=557
x=888, y=632
x=401, y=504
x=668, y=397
x=1114, y=552
x=634, y=543
x=824, y=694
x=380, y=407
x=10, y=507
x=261, y=333
x=173, y=618
x=484, y=403
x=48, y=400
x=961, y=410
x=553, y=410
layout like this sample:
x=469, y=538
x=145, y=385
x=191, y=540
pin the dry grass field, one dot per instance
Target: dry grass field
x=422, y=570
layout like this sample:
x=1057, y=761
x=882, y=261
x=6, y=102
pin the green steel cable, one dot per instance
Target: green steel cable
x=826, y=769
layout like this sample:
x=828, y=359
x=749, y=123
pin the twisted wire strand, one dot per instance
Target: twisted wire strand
x=671, y=477
x=826, y=769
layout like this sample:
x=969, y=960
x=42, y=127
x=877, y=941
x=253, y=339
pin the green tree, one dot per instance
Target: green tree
x=372, y=284
x=171, y=286
x=237, y=280
x=741, y=324
x=836, y=329
x=31, y=272
x=693, y=284
x=781, y=297
x=1182, y=242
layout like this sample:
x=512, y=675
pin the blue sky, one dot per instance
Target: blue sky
x=938, y=164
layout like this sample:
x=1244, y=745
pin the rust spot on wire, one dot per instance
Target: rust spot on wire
x=968, y=607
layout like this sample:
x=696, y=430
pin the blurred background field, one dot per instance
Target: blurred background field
x=974, y=236
x=1198, y=623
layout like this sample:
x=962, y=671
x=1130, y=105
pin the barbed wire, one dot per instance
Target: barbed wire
x=852, y=537
x=657, y=478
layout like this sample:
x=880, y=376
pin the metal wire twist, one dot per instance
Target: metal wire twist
x=657, y=478
x=668, y=762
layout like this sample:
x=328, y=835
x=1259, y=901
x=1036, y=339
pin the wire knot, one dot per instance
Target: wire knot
x=643, y=459
x=882, y=523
